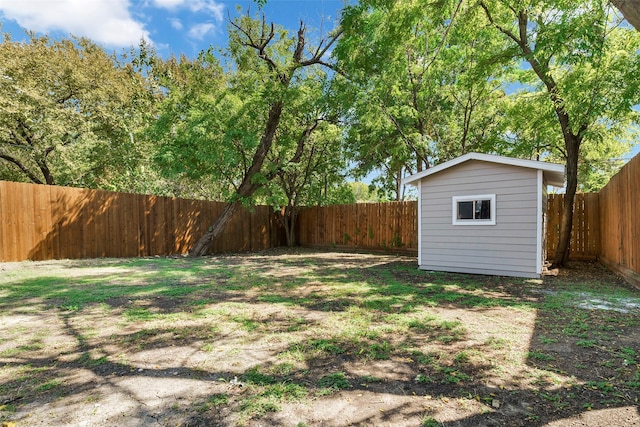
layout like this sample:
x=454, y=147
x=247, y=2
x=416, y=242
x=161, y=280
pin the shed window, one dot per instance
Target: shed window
x=474, y=210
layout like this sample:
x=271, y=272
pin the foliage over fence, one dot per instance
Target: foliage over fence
x=49, y=222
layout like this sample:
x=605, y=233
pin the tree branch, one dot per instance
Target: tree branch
x=22, y=167
x=498, y=26
x=46, y=172
x=297, y=157
x=319, y=53
x=402, y=135
x=263, y=42
x=297, y=54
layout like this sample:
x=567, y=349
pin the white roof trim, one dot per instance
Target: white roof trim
x=553, y=172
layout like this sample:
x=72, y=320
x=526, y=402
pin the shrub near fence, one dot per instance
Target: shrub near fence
x=49, y=222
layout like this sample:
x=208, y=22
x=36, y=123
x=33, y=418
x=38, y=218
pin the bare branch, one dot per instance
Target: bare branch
x=317, y=57
x=297, y=54
x=261, y=44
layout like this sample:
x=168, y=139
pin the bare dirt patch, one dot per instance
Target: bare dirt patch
x=300, y=337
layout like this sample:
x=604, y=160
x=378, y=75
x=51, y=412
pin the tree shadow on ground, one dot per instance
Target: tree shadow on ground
x=577, y=359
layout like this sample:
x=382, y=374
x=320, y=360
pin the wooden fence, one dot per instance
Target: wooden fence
x=369, y=226
x=585, y=236
x=619, y=224
x=394, y=226
x=48, y=222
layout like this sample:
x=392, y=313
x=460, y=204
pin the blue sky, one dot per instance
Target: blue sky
x=172, y=26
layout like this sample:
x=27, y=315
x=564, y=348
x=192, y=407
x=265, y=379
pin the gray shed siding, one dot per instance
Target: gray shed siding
x=507, y=248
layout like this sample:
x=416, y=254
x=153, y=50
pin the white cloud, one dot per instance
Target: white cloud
x=104, y=21
x=176, y=23
x=198, y=31
x=212, y=7
x=168, y=4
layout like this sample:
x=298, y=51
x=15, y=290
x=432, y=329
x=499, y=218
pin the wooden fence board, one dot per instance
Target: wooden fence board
x=619, y=227
x=634, y=224
x=50, y=222
x=7, y=222
x=585, y=235
x=371, y=226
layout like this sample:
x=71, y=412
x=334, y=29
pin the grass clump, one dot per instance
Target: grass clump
x=431, y=422
x=270, y=398
x=335, y=381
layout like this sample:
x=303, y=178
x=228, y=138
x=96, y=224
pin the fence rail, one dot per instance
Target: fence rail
x=48, y=222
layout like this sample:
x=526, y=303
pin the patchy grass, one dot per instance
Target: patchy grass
x=304, y=337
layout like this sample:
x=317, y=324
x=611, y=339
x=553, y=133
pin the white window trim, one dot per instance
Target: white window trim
x=454, y=210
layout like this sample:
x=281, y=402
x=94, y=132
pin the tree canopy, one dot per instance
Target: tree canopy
x=68, y=112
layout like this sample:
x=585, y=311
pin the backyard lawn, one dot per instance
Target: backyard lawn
x=307, y=338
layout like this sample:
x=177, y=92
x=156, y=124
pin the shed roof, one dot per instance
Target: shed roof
x=553, y=172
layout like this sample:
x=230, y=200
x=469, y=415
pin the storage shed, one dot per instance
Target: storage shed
x=484, y=214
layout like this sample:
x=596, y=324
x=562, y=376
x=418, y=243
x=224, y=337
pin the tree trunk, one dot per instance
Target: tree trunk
x=284, y=220
x=287, y=217
x=630, y=10
x=572, y=144
x=203, y=245
x=247, y=187
x=294, y=237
